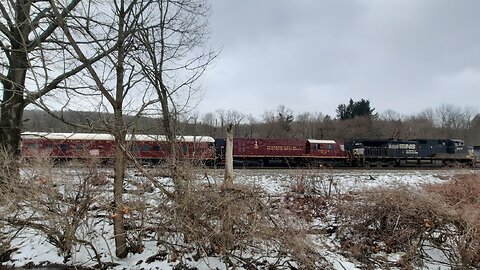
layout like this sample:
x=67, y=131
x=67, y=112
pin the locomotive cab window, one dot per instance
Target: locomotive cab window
x=156, y=148
x=184, y=149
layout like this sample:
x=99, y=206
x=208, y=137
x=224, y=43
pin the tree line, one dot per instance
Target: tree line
x=445, y=121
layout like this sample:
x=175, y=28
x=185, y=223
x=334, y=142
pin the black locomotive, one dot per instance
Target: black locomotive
x=414, y=153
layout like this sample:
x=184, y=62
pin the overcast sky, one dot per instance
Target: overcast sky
x=311, y=55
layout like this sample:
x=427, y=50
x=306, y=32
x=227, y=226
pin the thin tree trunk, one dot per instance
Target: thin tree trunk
x=121, y=250
x=119, y=133
x=229, y=156
x=171, y=139
x=118, y=218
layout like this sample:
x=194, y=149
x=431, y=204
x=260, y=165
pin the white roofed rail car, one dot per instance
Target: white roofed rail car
x=66, y=136
x=109, y=137
x=142, y=146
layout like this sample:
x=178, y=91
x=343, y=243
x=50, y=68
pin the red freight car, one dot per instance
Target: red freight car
x=263, y=152
x=88, y=145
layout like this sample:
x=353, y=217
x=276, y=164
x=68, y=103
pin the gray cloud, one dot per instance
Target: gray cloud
x=309, y=55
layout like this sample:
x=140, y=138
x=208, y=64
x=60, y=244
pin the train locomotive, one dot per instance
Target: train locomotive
x=284, y=152
x=351, y=153
x=410, y=153
x=260, y=152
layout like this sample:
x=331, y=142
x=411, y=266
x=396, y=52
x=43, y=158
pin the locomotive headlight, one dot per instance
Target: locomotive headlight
x=358, y=151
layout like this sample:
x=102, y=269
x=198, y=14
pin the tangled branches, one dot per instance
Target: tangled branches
x=444, y=218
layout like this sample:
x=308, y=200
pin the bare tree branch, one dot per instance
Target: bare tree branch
x=54, y=83
x=51, y=28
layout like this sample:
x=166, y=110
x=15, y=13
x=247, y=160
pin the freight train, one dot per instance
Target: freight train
x=258, y=152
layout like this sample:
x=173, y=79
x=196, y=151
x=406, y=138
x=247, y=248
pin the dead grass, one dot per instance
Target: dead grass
x=189, y=219
x=8, y=206
x=445, y=217
x=310, y=196
x=462, y=194
x=245, y=226
x=238, y=223
x=55, y=209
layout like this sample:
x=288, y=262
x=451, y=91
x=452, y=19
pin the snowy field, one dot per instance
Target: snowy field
x=35, y=250
x=280, y=181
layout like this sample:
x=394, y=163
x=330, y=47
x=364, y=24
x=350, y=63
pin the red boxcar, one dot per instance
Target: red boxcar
x=264, y=152
x=88, y=145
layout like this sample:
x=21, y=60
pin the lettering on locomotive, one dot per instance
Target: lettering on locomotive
x=283, y=148
x=403, y=146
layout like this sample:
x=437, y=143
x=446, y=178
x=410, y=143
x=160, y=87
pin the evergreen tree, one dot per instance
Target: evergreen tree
x=354, y=109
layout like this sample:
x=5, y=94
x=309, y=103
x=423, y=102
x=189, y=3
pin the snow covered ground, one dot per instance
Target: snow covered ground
x=35, y=249
x=280, y=181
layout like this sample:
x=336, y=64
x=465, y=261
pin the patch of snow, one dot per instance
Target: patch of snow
x=34, y=248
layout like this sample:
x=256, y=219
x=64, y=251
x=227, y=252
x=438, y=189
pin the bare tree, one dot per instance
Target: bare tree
x=278, y=122
x=151, y=63
x=475, y=130
x=449, y=119
x=209, y=123
x=116, y=80
x=251, y=126
x=170, y=42
x=170, y=52
x=34, y=58
x=309, y=125
x=234, y=117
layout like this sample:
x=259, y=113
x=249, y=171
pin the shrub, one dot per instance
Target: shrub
x=443, y=217
x=459, y=192
x=310, y=196
x=56, y=203
x=462, y=195
x=8, y=207
x=239, y=224
x=392, y=220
